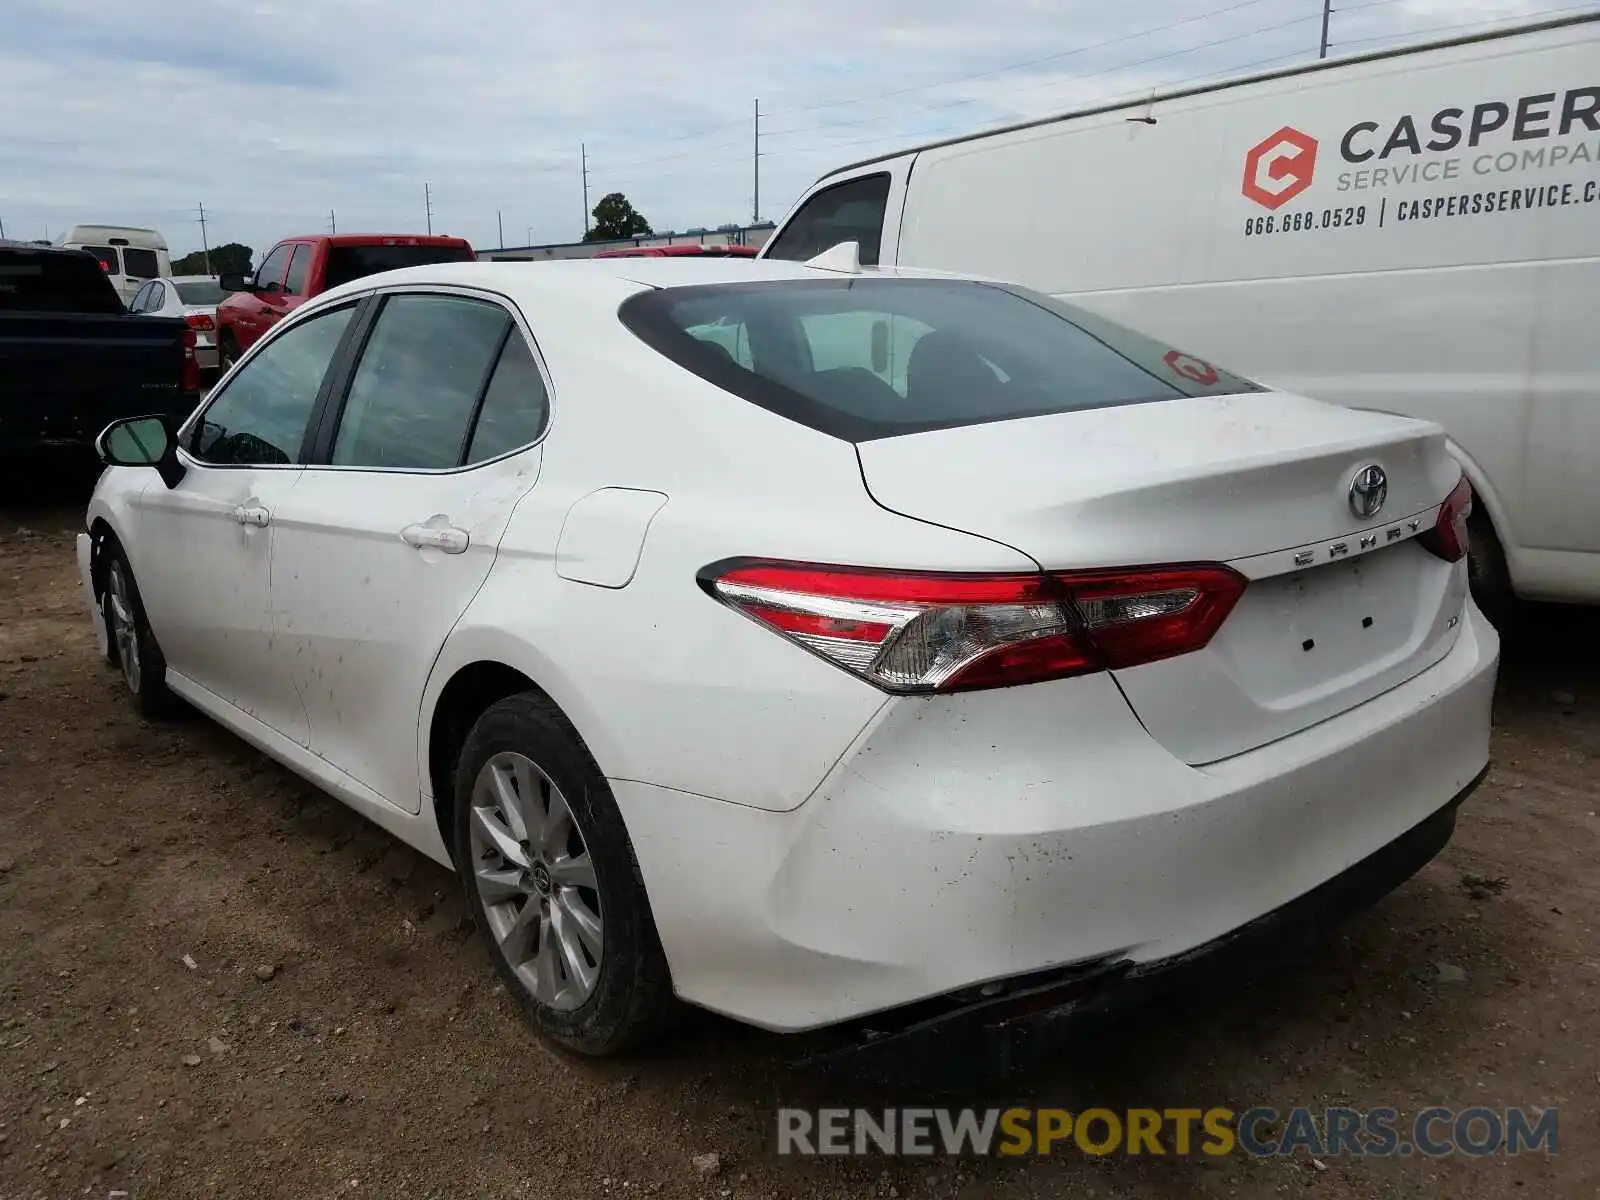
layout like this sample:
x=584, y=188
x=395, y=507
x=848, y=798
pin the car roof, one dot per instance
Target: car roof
x=609, y=281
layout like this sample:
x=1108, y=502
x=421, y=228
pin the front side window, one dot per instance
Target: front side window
x=260, y=418
x=141, y=264
x=863, y=357
x=269, y=277
x=299, y=271
x=852, y=211
x=415, y=391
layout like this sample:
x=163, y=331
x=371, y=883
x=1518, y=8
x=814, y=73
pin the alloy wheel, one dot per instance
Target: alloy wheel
x=536, y=881
x=124, y=628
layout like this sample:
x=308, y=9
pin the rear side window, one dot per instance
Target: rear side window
x=53, y=281
x=141, y=264
x=852, y=211
x=357, y=262
x=294, y=283
x=415, y=391
x=515, y=405
x=863, y=358
x=261, y=416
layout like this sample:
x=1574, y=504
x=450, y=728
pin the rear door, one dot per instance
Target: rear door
x=395, y=526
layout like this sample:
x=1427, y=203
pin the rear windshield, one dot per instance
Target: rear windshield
x=356, y=262
x=204, y=292
x=107, y=258
x=867, y=358
x=54, y=282
x=140, y=264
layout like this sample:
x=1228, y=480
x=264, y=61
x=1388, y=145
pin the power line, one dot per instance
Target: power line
x=1519, y=19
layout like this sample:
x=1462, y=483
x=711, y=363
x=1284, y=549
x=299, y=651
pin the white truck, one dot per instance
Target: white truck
x=1415, y=231
x=129, y=256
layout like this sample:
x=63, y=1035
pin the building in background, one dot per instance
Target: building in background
x=753, y=236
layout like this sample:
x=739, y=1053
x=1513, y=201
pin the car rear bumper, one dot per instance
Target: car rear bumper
x=977, y=839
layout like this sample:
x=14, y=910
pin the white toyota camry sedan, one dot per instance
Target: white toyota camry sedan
x=807, y=642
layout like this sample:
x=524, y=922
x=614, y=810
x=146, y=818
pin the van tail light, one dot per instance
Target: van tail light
x=1448, y=537
x=189, y=380
x=199, y=322
x=914, y=631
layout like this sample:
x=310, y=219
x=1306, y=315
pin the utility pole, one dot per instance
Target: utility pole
x=528, y=233
x=583, y=152
x=2, y=227
x=333, y=225
x=501, y=225
x=755, y=207
x=427, y=204
x=1327, y=11
x=205, y=244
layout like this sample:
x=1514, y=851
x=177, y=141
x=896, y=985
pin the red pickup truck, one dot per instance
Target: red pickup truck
x=299, y=268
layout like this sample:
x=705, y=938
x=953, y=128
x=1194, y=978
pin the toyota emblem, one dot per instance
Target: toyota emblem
x=1368, y=490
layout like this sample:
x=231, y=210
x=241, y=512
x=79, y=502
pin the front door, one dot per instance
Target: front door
x=257, y=310
x=395, y=524
x=209, y=540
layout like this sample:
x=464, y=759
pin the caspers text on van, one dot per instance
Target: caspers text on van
x=1543, y=114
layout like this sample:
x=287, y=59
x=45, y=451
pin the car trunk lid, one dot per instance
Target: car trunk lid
x=1340, y=607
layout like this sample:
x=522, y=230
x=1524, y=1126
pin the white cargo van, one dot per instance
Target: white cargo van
x=130, y=257
x=1414, y=231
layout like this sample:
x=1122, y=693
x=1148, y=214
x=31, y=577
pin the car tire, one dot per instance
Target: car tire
x=132, y=646
x=1488, y=574
x=553, y=884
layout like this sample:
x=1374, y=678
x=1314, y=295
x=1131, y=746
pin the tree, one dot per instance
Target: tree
x=229, y=257
x=615, y=219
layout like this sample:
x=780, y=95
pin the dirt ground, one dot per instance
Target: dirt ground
x=151, y=875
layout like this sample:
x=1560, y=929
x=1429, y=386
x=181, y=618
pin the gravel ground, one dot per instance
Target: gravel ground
x=215, y=982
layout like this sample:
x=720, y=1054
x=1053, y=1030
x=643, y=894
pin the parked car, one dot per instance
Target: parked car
x=129, y=256
x=72, y=359
x=193, y=299
x=1414, y=231
x=299, y=268
x=944, y=643
x=681, y=250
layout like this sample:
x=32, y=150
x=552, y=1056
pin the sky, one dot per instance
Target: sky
x=276, y=114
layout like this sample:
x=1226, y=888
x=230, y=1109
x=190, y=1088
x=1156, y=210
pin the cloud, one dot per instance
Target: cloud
x=273, y=113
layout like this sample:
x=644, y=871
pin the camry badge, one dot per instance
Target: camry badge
x=1368, y=490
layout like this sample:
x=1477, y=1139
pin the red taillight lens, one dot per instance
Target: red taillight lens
x=910, y=631
x=1448, y=537
x=189, y=380
x=199, y=322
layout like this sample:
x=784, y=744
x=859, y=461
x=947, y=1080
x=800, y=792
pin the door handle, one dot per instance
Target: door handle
x=432, y=537
x=252, y=514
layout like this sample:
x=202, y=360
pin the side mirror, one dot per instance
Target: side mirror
x=880, y=346
x=142, y=442
x=235, y=281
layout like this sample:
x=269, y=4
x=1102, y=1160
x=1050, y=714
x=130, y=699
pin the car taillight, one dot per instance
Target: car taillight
x=200, y=322
x=189, y=380
x=913, y=631
x=1448, y=537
